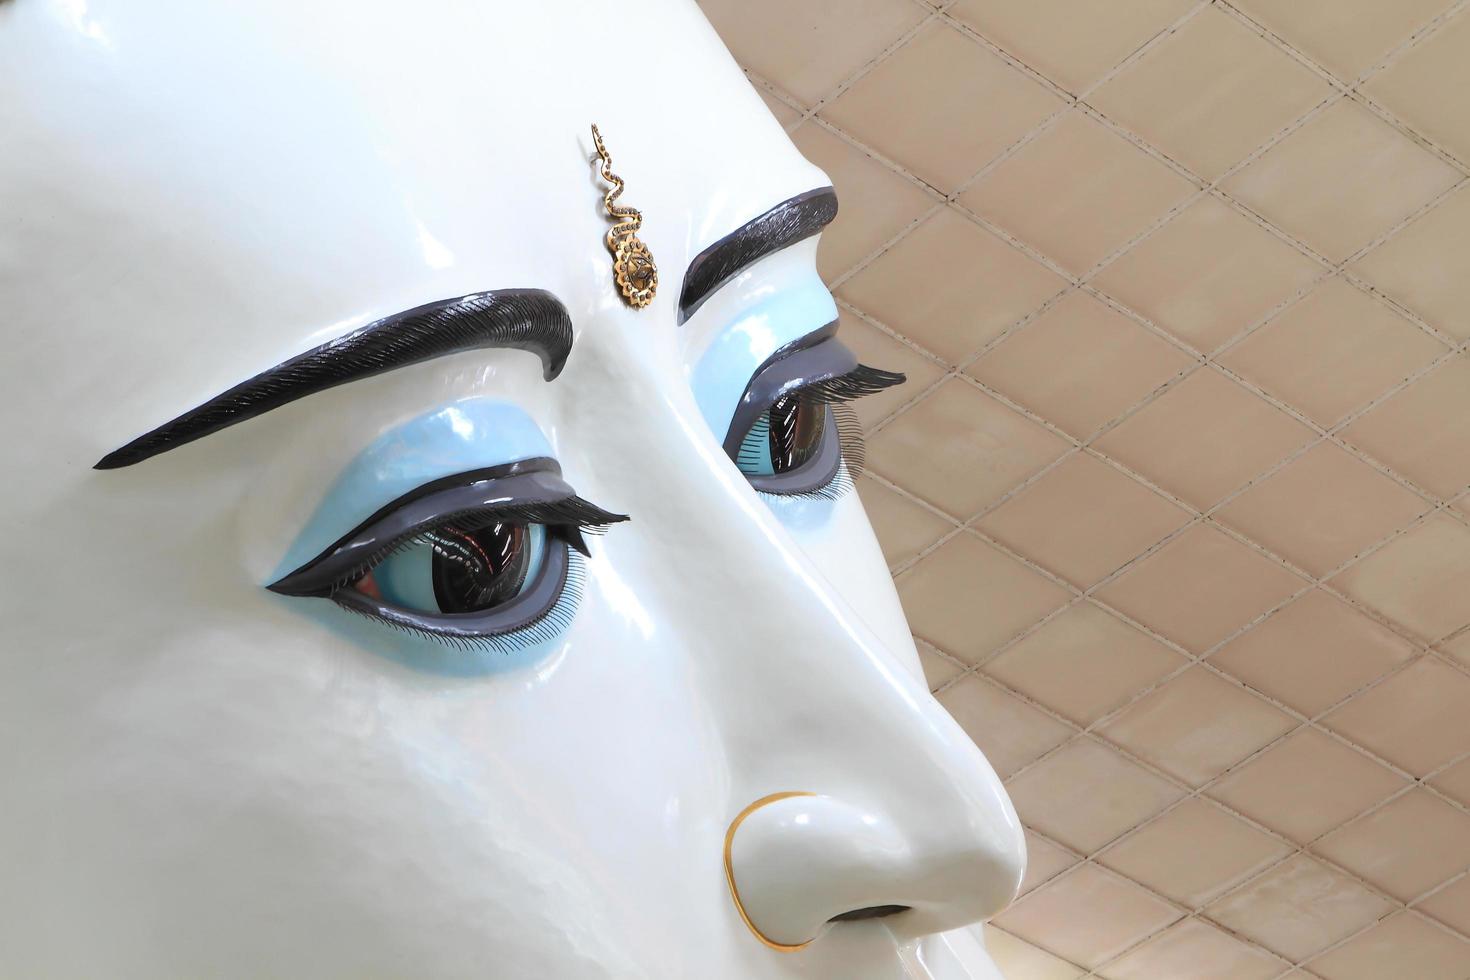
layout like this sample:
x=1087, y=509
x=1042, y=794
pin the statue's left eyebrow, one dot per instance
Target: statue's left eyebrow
x=518, y=319
x=785, y=224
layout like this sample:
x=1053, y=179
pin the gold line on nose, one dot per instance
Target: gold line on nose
x=730, y=870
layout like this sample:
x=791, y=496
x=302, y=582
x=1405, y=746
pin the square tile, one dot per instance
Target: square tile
x=1044, y=861
x=878, y=349
x=1313, y=653
x=1204, y=437
x=1305, y=785
x=1322, y=509
x=1333, y=351
x=1023, y=961
x=1195, y=950
x=1347, y=37
x=1009, y=731
x=1079, y=364
x=1210, y=94
x=1416, y=719
x=939, y=669
x=942, y=106
x=1085, y=794
x=819, y=44
x=875, y=204
x=1087, y=916
x=951, y=286
x=1200, y=587
x=1193, y=853
x=1077, y=192
x=1197, y=725
x=1082, y=519
x=1454, y=782
x=967, y=598
x=1423, y=431
x=1072, y=42
x=1341, y=180
x=1208, y=274
x=1404, y=945
x=1413, y=86
x=1405, y=847
x=1083, y=663
x=1421, y=579
x=1426, y=266
x=1298, y=908
x=903, y=527
x=1450, y=905
x=960, y=449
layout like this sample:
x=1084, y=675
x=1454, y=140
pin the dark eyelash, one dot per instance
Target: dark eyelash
x=572, y=517
x=854, y=448
x=860, y=382
x=548, y=625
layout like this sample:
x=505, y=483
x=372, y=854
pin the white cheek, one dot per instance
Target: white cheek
x=841, y=545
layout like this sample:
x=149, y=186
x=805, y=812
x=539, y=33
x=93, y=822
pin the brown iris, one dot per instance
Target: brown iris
x=479, y=569
x=796, y=432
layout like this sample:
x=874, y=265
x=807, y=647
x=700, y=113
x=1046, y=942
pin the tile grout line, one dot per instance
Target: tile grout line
x=1420, y=35
x=1197, y=516
x=1341, y=424
x=1294, y=849
x=1199, y=792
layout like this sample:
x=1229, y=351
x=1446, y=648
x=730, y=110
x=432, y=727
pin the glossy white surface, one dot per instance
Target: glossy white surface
x=202, y=778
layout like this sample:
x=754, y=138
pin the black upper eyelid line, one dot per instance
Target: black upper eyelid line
x=530, y=490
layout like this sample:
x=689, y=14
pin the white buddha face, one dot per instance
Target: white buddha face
x=435, y=613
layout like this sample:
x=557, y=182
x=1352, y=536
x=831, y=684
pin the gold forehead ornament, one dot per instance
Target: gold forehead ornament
x=633, y=268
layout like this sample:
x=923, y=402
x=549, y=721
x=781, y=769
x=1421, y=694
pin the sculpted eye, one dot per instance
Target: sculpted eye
x=794, y=432
x=485, y=558
x=459, y=568
x=785, y=438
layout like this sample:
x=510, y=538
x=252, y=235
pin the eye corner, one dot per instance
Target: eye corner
x=291, y=585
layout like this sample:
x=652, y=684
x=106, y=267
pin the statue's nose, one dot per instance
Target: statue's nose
x=797, y=862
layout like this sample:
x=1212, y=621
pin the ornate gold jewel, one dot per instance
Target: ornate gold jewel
x=633, y=266
x=730, y=870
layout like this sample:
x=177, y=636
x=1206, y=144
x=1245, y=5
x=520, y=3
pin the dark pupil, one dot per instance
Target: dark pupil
x=796, y=432
x=475, y=570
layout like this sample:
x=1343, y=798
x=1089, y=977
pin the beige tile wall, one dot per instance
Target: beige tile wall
x=1176, y=495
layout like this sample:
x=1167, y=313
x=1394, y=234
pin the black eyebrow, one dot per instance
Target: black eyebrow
x=519, y=319
x=785, y=224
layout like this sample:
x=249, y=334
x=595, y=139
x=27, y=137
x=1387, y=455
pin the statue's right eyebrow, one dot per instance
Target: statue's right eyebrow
x=785, y=224
x=518, y=319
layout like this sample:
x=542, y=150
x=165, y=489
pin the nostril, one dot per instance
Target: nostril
x=798, y=863
x=871, y=912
